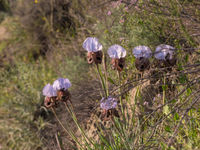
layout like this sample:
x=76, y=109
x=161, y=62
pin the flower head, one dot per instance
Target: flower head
x=108, y=103
x=116, y=51
x=49, y=91
x=142, y=51
x=91, y=44
x=164, y=52
x=61, y=84
x=109, y=13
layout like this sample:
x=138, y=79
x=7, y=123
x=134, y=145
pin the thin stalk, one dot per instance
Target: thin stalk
x=76, y=122
x=120, y=97
x=164, y=92
x=58, y=142
x=68, y=132
x=102, y=80
x=106, y=75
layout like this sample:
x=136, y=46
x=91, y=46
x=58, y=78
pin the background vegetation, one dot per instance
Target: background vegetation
x=41, y=40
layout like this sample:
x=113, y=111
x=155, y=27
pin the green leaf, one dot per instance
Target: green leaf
x=167, y=128
x=176, y=116
x=111, y=81
x=173, y=101
x=189, y=91
x=186, y=58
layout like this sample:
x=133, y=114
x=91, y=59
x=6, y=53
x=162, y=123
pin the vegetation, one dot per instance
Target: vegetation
x=42, y=40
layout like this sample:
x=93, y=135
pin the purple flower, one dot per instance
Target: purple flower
x=142, y=51
x=49, y=91
x=116, y=51
x=91, y=44
x=108, y=103
x=109, y=13
x=163, y=50
x=61, y=83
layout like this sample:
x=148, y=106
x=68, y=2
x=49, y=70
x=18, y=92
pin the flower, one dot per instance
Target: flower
x=50, y=95
x=109, y=13
x=49, y=91
x=91, y=44
x=164, y=52
x=108, y=103
x=116, y=51
x=61, y=84
x=142, y=54
x=142, y=51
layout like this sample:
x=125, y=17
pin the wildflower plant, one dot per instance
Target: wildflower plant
x=108, y=105
x=142, y=55
x=95, y=55
x=165, y=54
x=94, y=49
x=61, y=86
x=117, y=53
x=59, y=92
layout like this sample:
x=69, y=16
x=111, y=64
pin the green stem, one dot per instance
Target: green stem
x=102, y=80
x=70, y=110
x=106, y=75
x=68, y=132
x=120, y=97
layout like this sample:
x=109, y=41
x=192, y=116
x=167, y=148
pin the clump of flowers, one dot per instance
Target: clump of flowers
x=108, y=105
x=94, y=49
x=57, y=92
x=50, y=95
x=165, y=55
x=117, y=53
x=142, y=55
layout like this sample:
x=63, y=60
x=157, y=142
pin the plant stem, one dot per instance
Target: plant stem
x=106, y=75
x=164, y=92
x=70, y=110
x=102, y=80
x=120, y=97
x=68, y=132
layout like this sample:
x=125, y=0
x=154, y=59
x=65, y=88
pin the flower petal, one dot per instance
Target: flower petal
x=61, y=83
x=162, y=51
x=108, y=103
x=116, y=51
x=91, y=44
x=49, y=91
x=142, y=51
